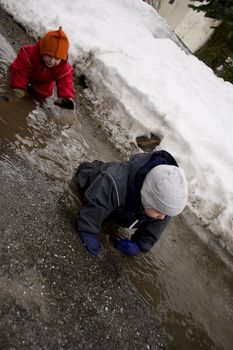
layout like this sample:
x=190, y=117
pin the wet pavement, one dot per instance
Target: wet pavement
x=54, y=295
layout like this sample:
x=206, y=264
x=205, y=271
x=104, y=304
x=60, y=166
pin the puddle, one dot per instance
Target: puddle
x=190, y=289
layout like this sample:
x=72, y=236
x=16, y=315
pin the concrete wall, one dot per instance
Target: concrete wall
x=192, y=27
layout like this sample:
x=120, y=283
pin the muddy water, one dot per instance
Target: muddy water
x=190, y=289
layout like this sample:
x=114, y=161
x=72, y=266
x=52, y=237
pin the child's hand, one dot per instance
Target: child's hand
x=90, y=242
x=67, y=103
x=127, y=246
x=19, y=93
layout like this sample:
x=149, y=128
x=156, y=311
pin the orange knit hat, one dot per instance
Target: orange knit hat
x=55, y=43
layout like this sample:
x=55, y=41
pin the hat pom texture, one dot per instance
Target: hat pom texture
x=55, y=43
x=165, y=190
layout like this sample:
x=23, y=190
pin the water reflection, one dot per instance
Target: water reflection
x=193, y=297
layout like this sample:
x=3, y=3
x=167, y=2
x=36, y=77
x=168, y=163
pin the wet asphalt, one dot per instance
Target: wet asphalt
x=53, y=294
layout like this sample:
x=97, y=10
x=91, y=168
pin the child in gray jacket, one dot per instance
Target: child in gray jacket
x=142, y=193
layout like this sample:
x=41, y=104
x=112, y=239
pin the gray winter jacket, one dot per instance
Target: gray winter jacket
x=113, y=189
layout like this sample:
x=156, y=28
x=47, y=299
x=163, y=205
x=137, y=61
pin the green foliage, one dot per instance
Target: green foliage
x=218, y=51
x=216, y=9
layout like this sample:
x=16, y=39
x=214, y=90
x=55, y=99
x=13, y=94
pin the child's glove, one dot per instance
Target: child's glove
x=67, y=103
x=127, y=246
x=19, y=93
x=4, y=98
x=90, y=242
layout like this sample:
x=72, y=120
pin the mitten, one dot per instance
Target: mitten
x=127, y=247
x=90, y=242
x=19, y=92
x=67, y=103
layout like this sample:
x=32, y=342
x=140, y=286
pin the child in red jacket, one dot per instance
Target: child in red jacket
x=39, y=65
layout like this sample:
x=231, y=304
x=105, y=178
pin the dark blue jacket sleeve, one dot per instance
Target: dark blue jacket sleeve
x=149, y=233
x=100, y=200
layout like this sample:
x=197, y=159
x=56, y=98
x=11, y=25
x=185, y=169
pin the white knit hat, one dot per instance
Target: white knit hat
x=165, y=190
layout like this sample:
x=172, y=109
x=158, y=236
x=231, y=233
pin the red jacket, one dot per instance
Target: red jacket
x=28, y=68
